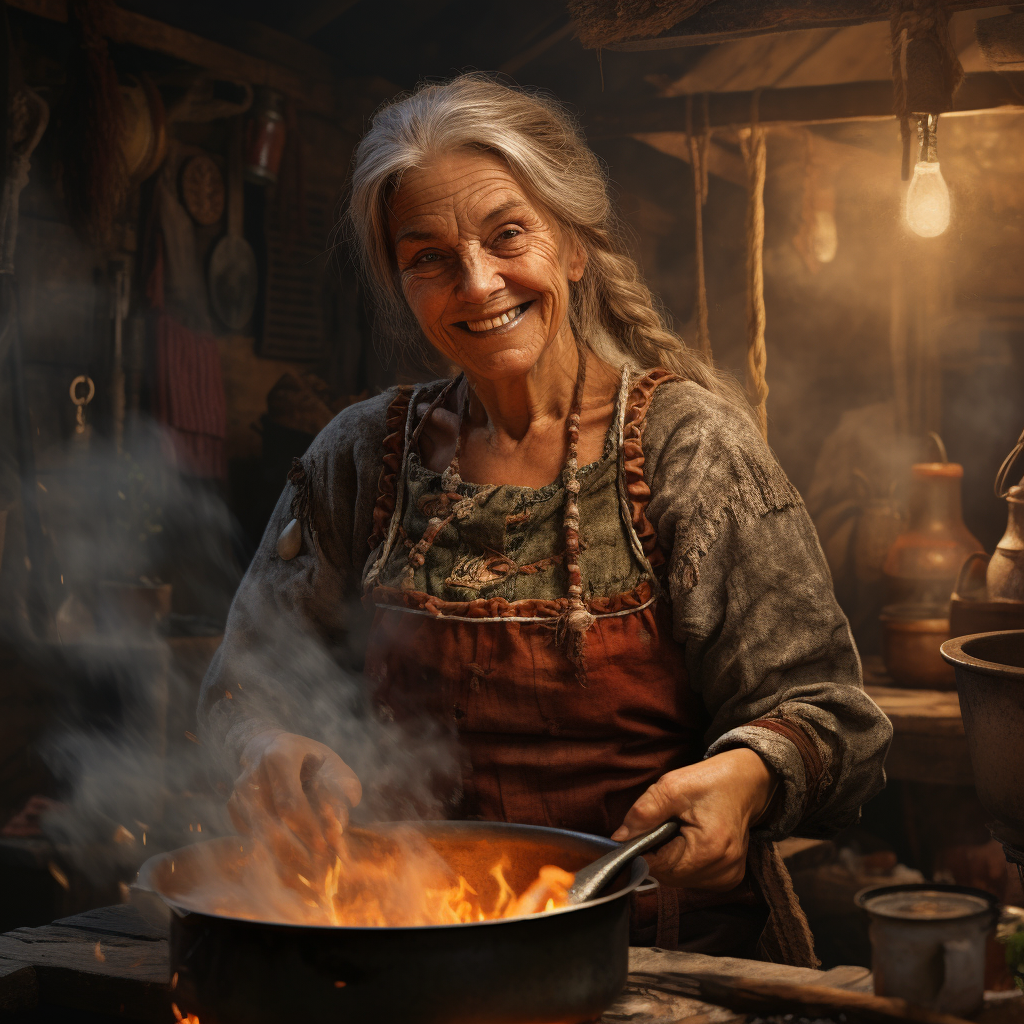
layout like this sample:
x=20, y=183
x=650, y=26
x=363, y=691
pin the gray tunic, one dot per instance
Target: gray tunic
x=751, y=601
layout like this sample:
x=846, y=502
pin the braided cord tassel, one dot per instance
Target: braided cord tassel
x=574, y=622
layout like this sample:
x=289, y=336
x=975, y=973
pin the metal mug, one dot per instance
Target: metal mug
x=928, y=943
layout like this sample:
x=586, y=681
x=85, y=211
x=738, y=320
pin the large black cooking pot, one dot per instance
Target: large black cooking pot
x=562, y=967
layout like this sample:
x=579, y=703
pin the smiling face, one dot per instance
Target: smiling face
x=485, y=272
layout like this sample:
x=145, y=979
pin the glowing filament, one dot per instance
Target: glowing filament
x=927, y=206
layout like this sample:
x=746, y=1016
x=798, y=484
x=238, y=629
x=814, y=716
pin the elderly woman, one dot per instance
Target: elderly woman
x=582, y=555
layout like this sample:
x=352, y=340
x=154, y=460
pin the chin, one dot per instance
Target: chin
x=500, y=363
x=503, y=365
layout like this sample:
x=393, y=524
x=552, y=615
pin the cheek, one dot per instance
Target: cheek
x=427, y=298
x=544, y=272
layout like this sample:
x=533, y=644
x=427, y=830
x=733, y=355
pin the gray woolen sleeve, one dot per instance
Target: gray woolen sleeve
x=767, y=646
x=289, y=614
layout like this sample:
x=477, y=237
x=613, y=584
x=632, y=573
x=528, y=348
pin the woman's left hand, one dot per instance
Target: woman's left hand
x=716, y=800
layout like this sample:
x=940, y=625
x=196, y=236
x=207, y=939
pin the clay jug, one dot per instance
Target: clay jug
x=923, y=562
x=1005, y=574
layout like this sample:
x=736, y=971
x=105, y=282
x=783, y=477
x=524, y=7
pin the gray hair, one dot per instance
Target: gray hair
x=611, y=309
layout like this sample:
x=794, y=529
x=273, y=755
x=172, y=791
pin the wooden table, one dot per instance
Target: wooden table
x=928, y=743
x=114, y=964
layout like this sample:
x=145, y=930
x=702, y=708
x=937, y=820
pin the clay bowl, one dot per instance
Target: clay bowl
x=912, y=635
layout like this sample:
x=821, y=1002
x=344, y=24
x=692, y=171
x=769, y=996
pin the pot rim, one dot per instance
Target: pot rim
x=952, y=650
x=964, y=890
x=638, y=874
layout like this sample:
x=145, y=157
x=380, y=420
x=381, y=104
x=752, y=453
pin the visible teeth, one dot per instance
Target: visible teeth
x=488, y=325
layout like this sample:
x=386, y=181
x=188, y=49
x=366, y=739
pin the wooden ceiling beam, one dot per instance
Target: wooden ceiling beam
x=725, y=20
x=319, y=15
x=128, y=28
x=722, y=162
x=812, y=104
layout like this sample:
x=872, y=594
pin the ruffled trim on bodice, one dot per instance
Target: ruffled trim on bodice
x=499, y=608
x=393, y=447
x=633, y=459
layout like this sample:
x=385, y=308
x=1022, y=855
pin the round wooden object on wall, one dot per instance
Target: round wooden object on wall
x=202, y=189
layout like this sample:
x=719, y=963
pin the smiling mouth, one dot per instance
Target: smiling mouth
x=476, y=326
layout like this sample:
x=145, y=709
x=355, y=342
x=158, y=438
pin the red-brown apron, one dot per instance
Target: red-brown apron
x=539, y=744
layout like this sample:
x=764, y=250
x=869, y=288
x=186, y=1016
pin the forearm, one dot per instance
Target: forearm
x=782, y=677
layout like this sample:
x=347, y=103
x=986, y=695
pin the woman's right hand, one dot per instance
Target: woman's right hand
x=294, y=794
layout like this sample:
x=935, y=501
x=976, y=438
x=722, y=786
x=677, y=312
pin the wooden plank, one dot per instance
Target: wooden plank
x=801, y=854
x=19, y=986
x=722, y=162
x=319, y=16
x=939, y=760
x=123, y=920
x=726, y=20
x=818, y=104
x=639, y=1005
x=921, y=712
x=125, y=976
x=133, y=29
x=531, y=53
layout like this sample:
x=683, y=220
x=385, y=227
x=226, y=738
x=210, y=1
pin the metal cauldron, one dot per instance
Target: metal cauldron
x=990, y=680
x=564, y=966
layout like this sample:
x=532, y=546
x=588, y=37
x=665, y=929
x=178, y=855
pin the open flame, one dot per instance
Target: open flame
x=459, y=903
x=375, y=880
x=402, y=882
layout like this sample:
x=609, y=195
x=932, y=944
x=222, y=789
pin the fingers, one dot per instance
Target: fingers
x=332, y=805
x=295, y=796
x=701, y=858
x=290, y=803
x=661, y=801
x=251, y=816
x=239, y=816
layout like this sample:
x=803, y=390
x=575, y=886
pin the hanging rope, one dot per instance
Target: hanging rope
x=926, y=70
x=756, y=156
x=698, y=162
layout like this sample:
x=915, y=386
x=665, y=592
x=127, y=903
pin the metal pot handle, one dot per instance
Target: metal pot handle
x=1004, y=469
x=958, y=964
x=962, y=574
x=591, y=879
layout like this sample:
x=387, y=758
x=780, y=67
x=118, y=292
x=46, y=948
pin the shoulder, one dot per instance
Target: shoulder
x=689, y=414
x=363, y=427
x=349, y=451
x=706, y=461
x=358, y=422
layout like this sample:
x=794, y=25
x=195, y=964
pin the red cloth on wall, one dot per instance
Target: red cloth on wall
x=189, y=397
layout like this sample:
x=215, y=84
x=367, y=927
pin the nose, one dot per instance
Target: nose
x=479, y=279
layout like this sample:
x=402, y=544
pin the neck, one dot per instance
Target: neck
x=513, y=406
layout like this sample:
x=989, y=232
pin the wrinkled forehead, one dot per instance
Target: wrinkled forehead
x=461, y=191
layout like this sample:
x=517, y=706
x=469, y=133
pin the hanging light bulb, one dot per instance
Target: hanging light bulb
x=927, y=202
x=825, y=239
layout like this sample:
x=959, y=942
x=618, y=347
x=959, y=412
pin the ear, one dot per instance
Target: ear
x=577, y=260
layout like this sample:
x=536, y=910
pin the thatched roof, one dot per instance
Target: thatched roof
x=601, y=22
